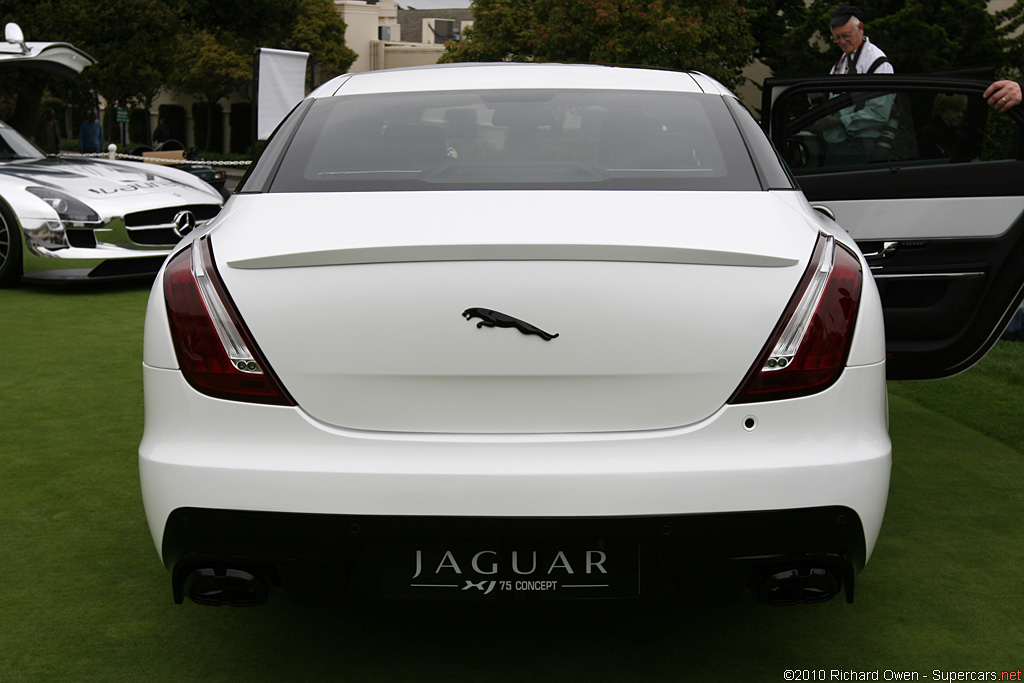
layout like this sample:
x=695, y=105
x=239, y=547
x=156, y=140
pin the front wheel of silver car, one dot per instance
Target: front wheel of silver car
x=10, y=249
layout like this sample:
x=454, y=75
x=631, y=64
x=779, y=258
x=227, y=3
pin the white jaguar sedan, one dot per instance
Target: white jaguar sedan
x=516, y=332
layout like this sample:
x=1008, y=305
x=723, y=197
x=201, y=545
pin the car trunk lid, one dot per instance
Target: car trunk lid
x=514, y=312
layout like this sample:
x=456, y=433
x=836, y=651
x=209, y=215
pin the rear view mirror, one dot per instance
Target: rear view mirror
x=13, y=34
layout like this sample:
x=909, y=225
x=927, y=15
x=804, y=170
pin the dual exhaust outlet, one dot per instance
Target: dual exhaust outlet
x=800, y=585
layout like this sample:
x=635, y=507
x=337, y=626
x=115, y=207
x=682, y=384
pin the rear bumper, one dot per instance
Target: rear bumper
x=331, y=559
x=269, y=490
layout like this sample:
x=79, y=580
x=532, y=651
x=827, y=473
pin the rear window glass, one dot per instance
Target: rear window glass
x=517, y=139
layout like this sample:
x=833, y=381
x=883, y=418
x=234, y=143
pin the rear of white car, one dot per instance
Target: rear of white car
x=515, y=371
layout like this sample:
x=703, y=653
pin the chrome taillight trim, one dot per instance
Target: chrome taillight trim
x=234, y=346
x=793, y=336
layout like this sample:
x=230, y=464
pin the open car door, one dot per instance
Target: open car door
x=929, y=181
x=59, y=58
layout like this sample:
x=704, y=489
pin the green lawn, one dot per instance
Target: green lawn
x=83, y=596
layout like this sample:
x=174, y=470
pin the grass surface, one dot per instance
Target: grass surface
x=83, y=596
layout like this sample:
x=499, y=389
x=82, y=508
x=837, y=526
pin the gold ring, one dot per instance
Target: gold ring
x=1003, y=98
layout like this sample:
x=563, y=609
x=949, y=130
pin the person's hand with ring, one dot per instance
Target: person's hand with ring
x=1003, y=95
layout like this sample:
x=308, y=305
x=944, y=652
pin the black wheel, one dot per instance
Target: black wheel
x=10, y=249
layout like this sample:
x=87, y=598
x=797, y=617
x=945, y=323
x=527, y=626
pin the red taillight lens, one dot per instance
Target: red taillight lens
x=216, y=353
x=808, y=349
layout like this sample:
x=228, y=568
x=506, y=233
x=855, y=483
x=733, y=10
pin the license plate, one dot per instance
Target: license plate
x=495, y=570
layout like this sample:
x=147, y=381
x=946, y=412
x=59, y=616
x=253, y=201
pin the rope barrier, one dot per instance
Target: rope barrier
x=114, y=154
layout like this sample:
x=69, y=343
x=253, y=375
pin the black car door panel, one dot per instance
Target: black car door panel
x=934, y=197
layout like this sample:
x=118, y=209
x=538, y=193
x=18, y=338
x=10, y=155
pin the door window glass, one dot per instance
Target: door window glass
x=830, y=130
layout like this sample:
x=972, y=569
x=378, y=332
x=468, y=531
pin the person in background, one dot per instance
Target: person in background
x=1003, y=95
x=860, y=55
x=162, y=133
x=90, y=135
x=48, y=133
x=945, y=135
x=852, y=133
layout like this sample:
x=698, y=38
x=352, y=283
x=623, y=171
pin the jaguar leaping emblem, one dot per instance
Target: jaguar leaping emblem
x=489, y=318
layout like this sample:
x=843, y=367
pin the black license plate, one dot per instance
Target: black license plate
x=496, y=570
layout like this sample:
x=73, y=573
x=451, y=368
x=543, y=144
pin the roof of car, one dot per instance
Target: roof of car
x=493, y=76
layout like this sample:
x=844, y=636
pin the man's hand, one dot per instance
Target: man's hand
x=1003, y=95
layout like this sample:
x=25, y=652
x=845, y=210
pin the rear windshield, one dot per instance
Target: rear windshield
x=517, y=139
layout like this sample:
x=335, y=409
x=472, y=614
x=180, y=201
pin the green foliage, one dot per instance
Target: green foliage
x=789, y=37
x=252, y=23
x=133, y=42
x=1009, y=22
x=218, y=53
x=503, y=30
x=917, y=35
x=925, y=35
x=713, y=37
x=211, y=69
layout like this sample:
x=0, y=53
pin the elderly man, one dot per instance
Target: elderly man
x=852, y=133
x=860, y=55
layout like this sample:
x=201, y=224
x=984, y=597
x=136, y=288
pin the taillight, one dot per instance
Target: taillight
x=808, y=349
x=216, y=353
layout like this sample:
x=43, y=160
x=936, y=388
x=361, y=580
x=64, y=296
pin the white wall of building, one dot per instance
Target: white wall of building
x=362, y=35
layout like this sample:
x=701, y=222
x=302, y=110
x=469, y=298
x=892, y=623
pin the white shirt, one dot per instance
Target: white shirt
x=868, y=53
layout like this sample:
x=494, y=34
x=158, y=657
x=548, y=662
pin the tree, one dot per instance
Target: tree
x=213, y=71
x=1009, y=22
x=794, y=39
x=218, y=56
x=712, y=36
x=320, y=31
x=790, y=38
x=241, y=26
x=135, y=43
x=249, y=23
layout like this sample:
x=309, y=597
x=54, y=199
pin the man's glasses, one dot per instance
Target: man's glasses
x=843, y=37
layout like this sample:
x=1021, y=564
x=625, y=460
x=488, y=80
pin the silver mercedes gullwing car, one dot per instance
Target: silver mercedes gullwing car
x=516, y=332
x=76, y=218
